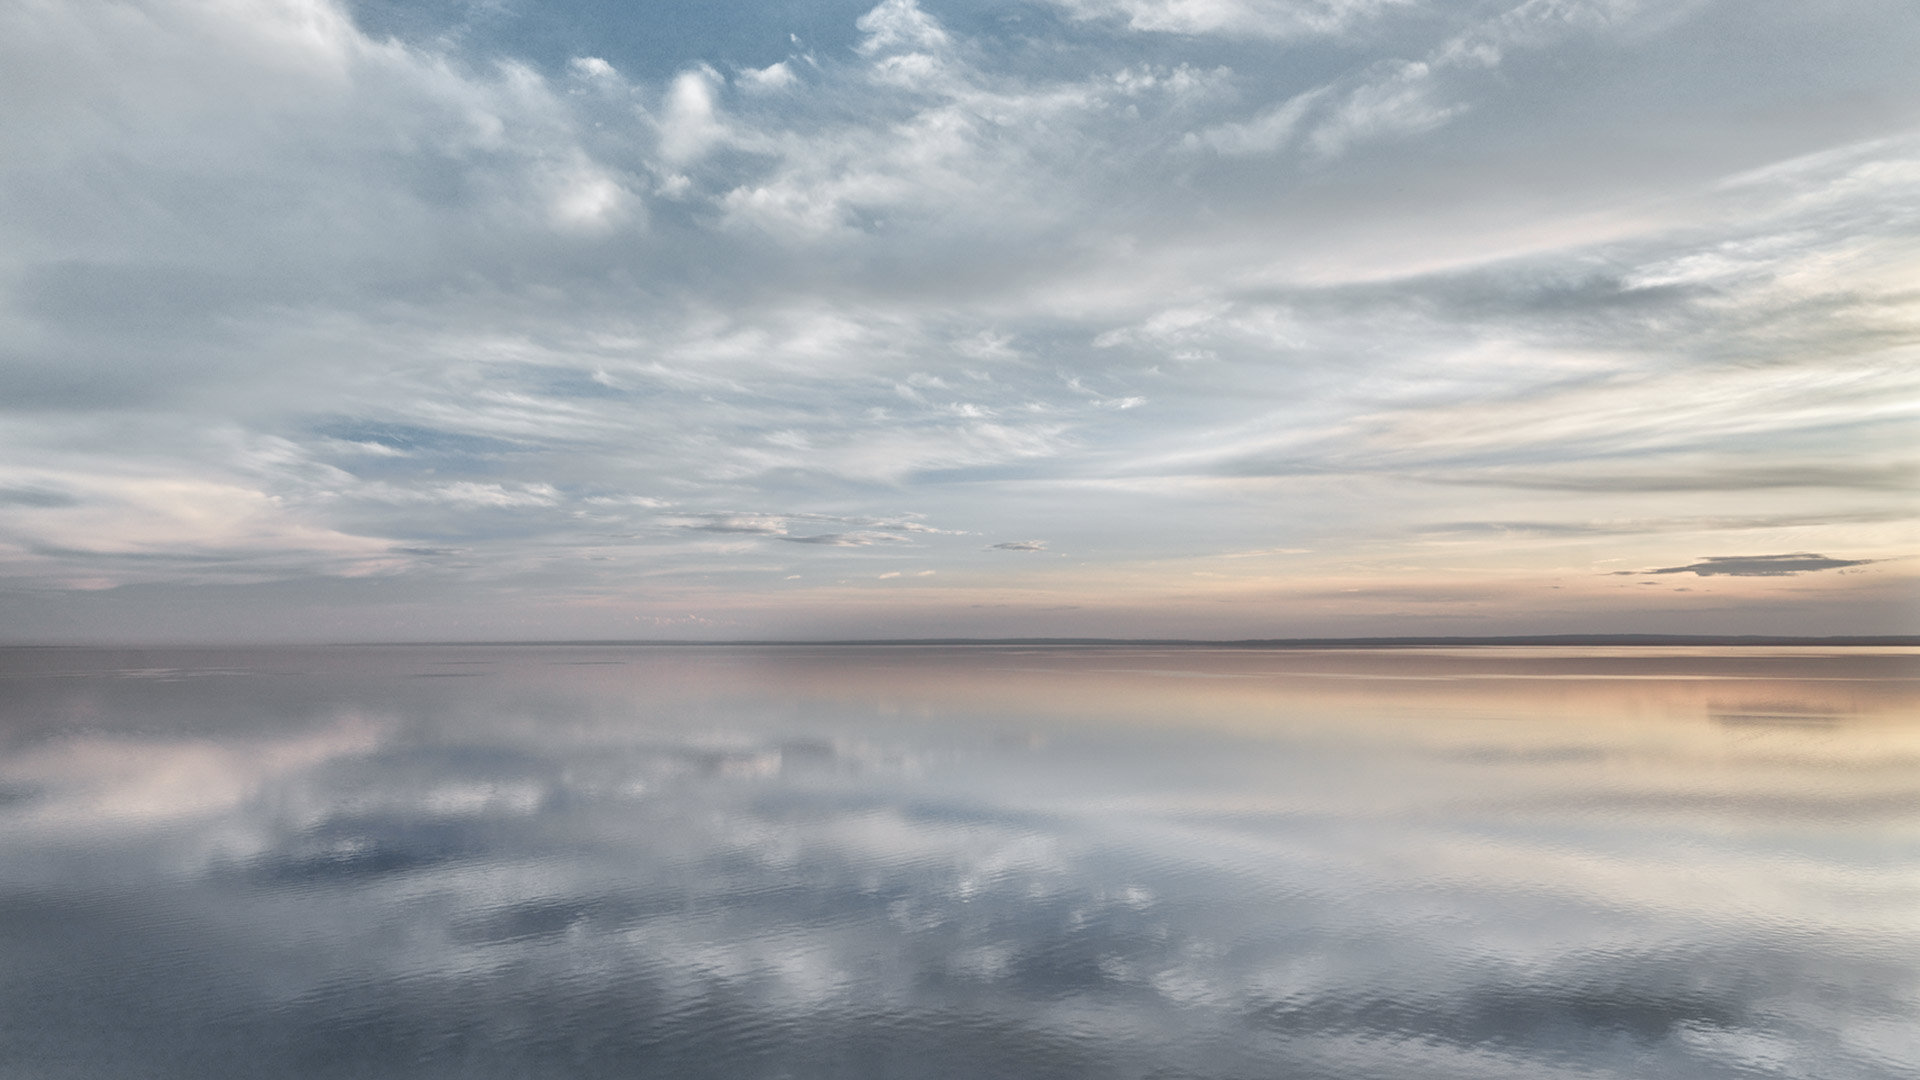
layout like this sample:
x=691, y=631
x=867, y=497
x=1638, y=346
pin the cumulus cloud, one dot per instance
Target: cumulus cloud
x=691, y=124
x=900, y=24
x=775, y=76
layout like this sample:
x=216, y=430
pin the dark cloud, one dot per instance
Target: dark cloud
x=832, y=539
x=1753, y=565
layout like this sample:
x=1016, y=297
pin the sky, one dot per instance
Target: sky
x=487, y=320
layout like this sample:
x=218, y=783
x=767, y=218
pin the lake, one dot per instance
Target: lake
x=927, y=862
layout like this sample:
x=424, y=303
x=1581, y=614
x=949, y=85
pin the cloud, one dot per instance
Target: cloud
x=899, y=24
x=592, y=67
x=38, y=497
x=468, y=493
x=1649, y=526
x=1019, y=545
x=1272, y=130
x=691, y=123
x=1863, y=476
x=1401, y=101
x=1393, y=98
x=1754, y=565
x=775, y=76
x=1145, y=271
x=738, y=523
x=1281, y=19
x=836, y=539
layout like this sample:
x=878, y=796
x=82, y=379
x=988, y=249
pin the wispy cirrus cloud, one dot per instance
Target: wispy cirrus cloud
x=1255, y=18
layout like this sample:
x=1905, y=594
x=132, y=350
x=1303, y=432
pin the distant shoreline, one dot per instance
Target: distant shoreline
x=1538, y=640
x=1571, y=640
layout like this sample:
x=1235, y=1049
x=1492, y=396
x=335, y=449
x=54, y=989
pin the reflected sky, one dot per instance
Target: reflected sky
x=1020, y=862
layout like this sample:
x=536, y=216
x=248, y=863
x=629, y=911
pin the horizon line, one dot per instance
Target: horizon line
x=1300, y=642
x=1568, y=640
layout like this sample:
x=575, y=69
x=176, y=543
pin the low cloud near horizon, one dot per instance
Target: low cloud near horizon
x=1755, y=565
x=331, y=321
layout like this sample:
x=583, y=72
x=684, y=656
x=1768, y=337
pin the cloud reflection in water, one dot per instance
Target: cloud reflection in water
x=980, y=862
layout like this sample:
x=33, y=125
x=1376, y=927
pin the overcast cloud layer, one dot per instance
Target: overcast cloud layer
x=1119, y=317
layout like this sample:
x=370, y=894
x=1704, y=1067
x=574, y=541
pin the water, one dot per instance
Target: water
x=960, y=862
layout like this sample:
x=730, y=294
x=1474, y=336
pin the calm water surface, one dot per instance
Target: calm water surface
x=978, y=862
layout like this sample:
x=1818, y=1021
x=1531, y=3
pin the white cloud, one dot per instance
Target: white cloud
x=898, y=24
x=131, y=526
x=1402, y=101
x=588, y=198
x=1258, y=18
x=691, y=125
x=467, y=493
x=1271, y=131
x=592, y=67
x=1401, y=97
x=775, y=76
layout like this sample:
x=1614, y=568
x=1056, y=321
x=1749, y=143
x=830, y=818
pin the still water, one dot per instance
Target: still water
x=960, y=862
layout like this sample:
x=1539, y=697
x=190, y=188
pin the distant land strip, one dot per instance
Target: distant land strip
x=1571, y=640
